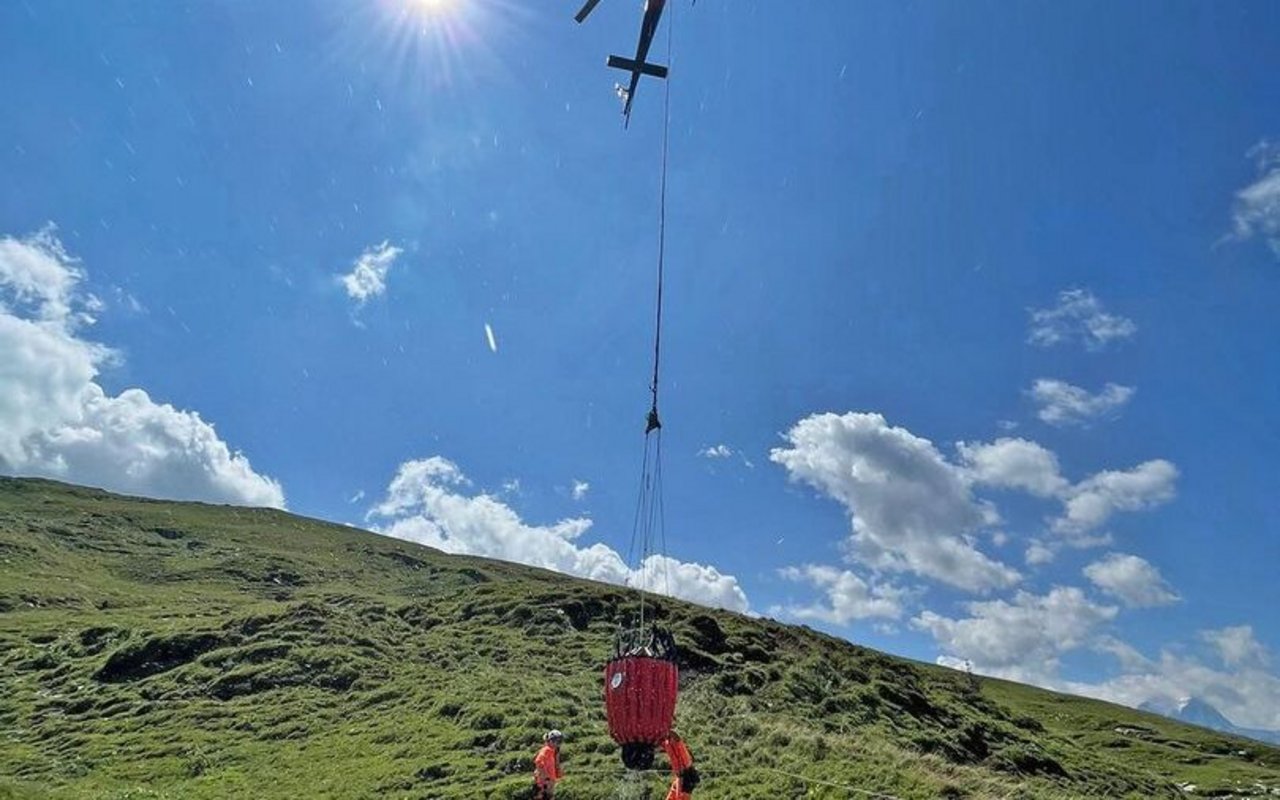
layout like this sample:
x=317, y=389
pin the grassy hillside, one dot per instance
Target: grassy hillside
x=176, y=650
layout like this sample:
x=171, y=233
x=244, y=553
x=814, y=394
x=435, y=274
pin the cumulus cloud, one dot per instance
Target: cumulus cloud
x=56, y=421
x=1061, y=403
x=1244, y=691
x=1025, y=639
x=1133, y=580
x=1094, y=500
x=580, y=489
x=1021, y=637
x=910, y=509
x=1039, y=553
x=698, y=583
x=1009, y=463
x=430, y=501
x=720, y=452
x=913, y=510
x=847, y=596
x=1130, y=658
x=1236, y=646
x=40, y=278
x=368, y=275
x=1079, y=316
x=1257, y=206
x=133, y=444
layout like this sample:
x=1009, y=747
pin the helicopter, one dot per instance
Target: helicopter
x=639, y=65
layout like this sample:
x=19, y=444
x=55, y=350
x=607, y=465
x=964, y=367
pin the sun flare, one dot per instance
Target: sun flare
x=430, y=45
x=435, y=7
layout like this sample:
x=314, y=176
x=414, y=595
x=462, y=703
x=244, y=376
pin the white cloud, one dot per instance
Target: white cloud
x=38, y=276
x=1248, y=696
x=1091, y=502
x=1245, y=692
x=580, y=489
x=490, y=338
x=910, y=509
x=1014, y=464
x=1078, y=316
x=698, y=583
x=1009, y=463
x=913, y=510
x=1083, y=541
x=951, y=662
x=1257, y=206
x=1236, y=646
x=1131, y=660
x=848, y=597
x=719, y=452
x=368, y=275
x=1061, y=403
x=428, y=502
x=129, y=443
x=56, y=421
x=1021, y=637
x=1039, y=553
x=1133, y=580
x=1024, y=640
x=45, y=376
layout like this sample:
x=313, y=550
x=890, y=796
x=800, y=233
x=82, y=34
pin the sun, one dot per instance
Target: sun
x=435, y=8
x=431, y=44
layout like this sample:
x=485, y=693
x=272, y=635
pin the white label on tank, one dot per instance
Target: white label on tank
x=617, y=680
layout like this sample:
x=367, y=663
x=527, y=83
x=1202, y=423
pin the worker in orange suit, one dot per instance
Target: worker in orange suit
x=546, y=766
x=684, y=777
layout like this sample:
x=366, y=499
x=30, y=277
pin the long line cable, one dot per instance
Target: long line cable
x=654, y=423
x=659, y=507
x=650, y=510
x=641, y=491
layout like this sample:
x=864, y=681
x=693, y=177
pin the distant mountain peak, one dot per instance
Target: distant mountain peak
x=1197, y=711
x=1201, y=712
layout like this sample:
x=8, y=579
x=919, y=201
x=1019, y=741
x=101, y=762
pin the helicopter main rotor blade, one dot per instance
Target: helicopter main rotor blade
x=586, y=10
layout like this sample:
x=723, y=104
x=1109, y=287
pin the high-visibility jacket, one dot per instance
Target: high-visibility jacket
x=546, y=767
x=675, y=792
x=681, y=760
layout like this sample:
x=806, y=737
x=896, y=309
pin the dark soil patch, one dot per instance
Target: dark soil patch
x=158, y=654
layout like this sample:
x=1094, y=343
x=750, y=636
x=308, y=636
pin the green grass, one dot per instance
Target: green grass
x=178, y=650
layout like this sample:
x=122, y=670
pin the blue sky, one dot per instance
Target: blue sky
x=1050, y=232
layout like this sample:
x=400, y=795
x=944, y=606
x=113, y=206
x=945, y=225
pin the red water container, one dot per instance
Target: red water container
x=640, y=698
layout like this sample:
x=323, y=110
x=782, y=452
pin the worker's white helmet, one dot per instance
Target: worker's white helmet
x=553, y=735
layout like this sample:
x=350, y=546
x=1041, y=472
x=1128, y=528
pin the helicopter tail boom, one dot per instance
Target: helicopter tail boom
x=642, y=67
